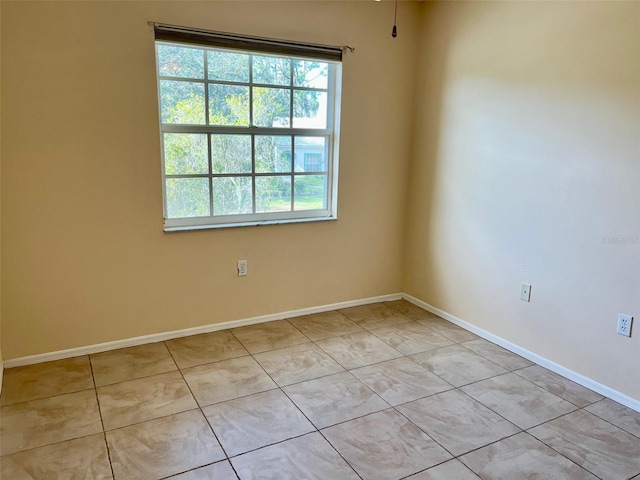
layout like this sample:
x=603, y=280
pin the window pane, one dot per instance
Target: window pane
x=180, y=62
x=273, y=194
x=232, y=195
x=310, y=192
x=228, y=105
x=182, y=102
x=310, y=74
x=309, y=109
x=185, y=153
x=187, y=197
x=231, y=153
x=311, y=154
x=273, y=153
x=271, y=70
x=230, y=67
x=271, y=107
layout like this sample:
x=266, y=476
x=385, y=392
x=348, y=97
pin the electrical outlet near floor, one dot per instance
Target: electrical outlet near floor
x=624, y=324
x=525, y=292
x=242, y=268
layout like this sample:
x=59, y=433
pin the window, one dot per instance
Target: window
x=248, y=131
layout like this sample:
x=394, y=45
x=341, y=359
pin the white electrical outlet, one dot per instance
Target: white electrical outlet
x=242, y=268
x=525, y=292
x=624, y=324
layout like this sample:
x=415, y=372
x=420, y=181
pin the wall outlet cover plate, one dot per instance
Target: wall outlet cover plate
x=624, y=324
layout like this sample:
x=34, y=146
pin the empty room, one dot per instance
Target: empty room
x=319, y=240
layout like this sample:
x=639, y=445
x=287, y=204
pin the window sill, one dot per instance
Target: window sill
x=183, y=228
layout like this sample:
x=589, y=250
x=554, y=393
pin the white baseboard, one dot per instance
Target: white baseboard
x=543, y=362
x=160, y=337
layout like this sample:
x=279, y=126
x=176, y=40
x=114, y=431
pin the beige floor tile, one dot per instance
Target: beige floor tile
x=400, y=380
x=448, y=329
x=457, y=422
x=144, y=399
x=49, y=420
x=596, y=445
x=324, y=325
x=411, y=337
x=48, y=379
x=51, y=428
x=217, y=471
x=497, y=354
x=560, y=386
x=457, y=365
x=522, y=456
x=409, y=309
x=205, y=348
x=255, y=421
x=374, y=315
x=130, y=363
x=297, y=364
x=80, y=459
x=365, y=312
x=333, y=399
x=269, y=336
x=358, y=349
x=309, y=457
x=226, y=380
x=163, y=447
x=451, y=470
x=619, y=415
x=385, y=445
x=518, y=400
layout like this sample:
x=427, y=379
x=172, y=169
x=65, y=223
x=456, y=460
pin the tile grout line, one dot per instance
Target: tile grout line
x=390, y=407
x=553, y=393
x=393, y=407
x=567, y=414
x=608, y=421
x=428, y=435
x=521, y=430
x=203, y=415
x=49, y=396
x=524, y=430
x=341, y=456
x=104, y=432
x=554, y=449
x=39, y=399
x=438, y=376
x=317, y=430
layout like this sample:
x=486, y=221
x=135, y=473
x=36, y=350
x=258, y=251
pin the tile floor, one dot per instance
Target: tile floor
x=382, y=391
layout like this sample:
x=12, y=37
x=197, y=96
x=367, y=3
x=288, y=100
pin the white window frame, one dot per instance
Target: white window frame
x=331, y=133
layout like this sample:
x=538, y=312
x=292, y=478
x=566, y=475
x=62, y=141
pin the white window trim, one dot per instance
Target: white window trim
x=334, y=94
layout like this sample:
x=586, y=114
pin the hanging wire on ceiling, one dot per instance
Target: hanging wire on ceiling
x=394, y=32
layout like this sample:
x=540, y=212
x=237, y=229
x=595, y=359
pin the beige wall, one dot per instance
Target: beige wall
x=527, y=170
x=524, y=168
x=85, y=257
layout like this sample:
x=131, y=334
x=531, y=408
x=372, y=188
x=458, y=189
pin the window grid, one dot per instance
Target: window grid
x=323, y=135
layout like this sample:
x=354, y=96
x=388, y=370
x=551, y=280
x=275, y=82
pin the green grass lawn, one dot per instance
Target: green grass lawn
x=279, y=205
